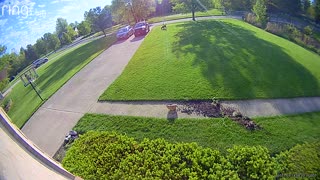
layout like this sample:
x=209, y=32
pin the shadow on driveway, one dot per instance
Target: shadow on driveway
x=139, y=38
x=120, y=41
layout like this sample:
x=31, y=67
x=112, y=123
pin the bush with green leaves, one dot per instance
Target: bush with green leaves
x=301, y=160
x=98, y=155
x=158, y=159
x=252, y=162
x=307, y=30
x=105, y=155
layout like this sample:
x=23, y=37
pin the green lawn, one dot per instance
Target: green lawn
x=278, y=134
x=227, y=59
x=53, y=75
x=212, y=12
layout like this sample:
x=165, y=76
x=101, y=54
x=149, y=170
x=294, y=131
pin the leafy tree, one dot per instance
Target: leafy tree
x=74, y=25
x=3, y=49
x=317, y=10
x=40, y=47
x=141, y=9
x=218, y=4
x=17, y=64
x=125, y=11
x=3, y=61
x=294, y=7
x=30, y=53
x=120, y=11
x=260, y=10
x=100, y=19
x=13, y=62
x=61, y=28
x=184, y=6
x=306, y=5
x=52, y=41
x=65, y=39
x=163, y=7
x=235, y=5
x=84, y=28
x=71, y=33
x=286, y=6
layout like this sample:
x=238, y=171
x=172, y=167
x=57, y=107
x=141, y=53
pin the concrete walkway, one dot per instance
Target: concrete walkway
x=250, y=108
x=53, y=120
x=48, y=126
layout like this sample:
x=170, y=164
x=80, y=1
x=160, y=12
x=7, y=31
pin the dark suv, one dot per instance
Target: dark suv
x=141, y=28
x=39, y=62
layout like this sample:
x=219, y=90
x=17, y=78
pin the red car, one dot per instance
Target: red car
x=141, y=28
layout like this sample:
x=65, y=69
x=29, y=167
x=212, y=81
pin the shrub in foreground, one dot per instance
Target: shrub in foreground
x=104, y=155
x=158, y=159
x=300, y=161
x=98, y=155
x=252, y=162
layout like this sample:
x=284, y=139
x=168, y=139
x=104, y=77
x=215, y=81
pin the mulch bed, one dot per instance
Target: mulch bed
x=216, y=110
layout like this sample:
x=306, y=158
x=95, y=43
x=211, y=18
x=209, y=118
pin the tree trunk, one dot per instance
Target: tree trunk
x=105, y=35
x=133, y=14
x=193, y=18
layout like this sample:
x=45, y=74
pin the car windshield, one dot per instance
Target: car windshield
x=139, y=24
x=122, y=30
x=36, y=61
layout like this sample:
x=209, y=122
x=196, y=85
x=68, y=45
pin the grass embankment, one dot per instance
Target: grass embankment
x=211, y=12
x=278, y=134
x=226, y=59
x=52, y=76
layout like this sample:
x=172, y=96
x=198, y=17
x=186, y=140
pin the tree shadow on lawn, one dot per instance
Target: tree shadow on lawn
x=240, y=64
x=60, y=68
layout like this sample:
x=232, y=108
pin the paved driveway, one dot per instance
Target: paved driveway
x=52, y=121
x=48, y=126
x=79, y=95
x=17, y=163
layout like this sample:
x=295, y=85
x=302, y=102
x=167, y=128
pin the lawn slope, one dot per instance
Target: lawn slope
x=227, y=59
x=278, y=134
x=52, y=76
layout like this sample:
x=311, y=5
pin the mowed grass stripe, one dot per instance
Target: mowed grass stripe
x=52, y=76
x=227, y=59
x=278, y=133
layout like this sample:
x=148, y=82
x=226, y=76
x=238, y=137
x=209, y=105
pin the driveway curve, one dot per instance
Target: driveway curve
x=48, y=126
x=52, y=121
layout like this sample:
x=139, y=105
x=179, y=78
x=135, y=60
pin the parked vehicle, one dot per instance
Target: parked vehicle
x=125, y=32
x=141, y=28
x=39, y=62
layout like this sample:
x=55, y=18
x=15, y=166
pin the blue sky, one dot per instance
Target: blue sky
x=22, y=22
